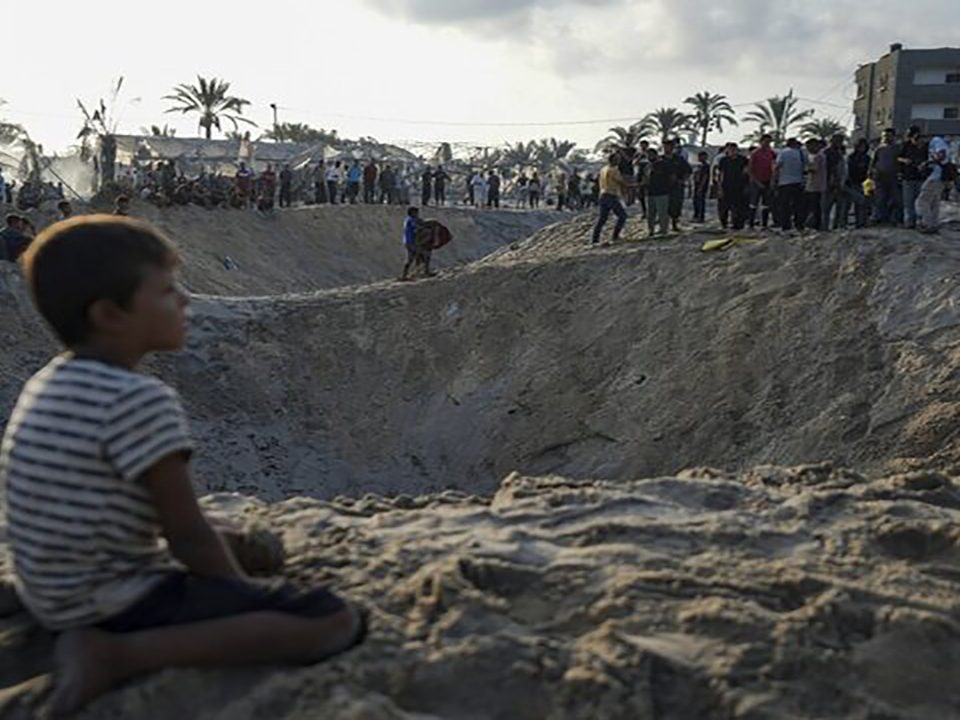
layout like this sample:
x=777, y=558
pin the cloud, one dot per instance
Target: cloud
x=513, y=17
x=794, y=38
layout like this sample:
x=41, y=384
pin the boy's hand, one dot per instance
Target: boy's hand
x=191, y=538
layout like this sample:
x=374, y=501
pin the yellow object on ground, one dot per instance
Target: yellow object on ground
x=726, y=243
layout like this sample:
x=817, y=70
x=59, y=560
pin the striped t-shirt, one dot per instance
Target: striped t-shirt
x=84, y=534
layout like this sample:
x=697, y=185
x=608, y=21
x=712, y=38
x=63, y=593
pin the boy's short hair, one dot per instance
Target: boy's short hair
x=74, y=263
x=13, y=219
x=411, y=211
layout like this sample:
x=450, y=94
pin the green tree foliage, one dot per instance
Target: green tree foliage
x=666, y=123
x=301, y=133
x=777, y=116
x=211, y=100
x=623, y=138
x=710, y=113
x=823, y=128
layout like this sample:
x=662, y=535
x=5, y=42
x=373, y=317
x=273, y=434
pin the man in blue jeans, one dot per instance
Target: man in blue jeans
x=910, y=159
x=612, y=187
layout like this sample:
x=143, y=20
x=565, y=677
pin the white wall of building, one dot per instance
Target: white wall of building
x=930, y=111
x=933, y=76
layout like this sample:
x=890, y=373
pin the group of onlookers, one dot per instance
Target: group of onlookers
x=820, y=184
x=815, y=185
x=30, y=194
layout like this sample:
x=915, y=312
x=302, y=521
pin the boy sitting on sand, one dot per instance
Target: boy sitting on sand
x=95, y=461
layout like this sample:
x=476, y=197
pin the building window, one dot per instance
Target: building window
x=953, y=77
x=951, y=113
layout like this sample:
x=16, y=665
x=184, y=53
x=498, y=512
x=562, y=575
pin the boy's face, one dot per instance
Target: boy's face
x=157, y=315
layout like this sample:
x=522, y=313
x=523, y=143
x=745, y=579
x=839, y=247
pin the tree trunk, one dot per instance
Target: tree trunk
x=108, y=159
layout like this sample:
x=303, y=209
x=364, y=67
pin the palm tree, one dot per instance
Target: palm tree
x=667, y=123
x=156, y=131
x=238, y=136
x=823, y=128
x=623, y=138
x=520, y=155
x=777, y=115
x=710, y=112
x=551, y=150
x=101, y=125
x=300, y=133
x=212, y=101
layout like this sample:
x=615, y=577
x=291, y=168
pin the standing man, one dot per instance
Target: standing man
x=440, y=180
x=931, y=192
x=835, y=195
x=885, y=168
x=493, y=189
x=286, y=186
x=562, y=192
x=612, y=187
x=426, y=186
x=334, y=176
x=789, y=171
x=762, y=161
x=643, y=158
x=243, y=180
x=701, y=186
x=524, y=185
x=13, y=239
x=479, y=187
x=732, y=180
x=370, y=173
x=354, y=176
x=386, y=185
x=816, y=185
x=658, y=183
x=535, y=188
x=910, y=160
x=320, y=183
x=858, y=170
x=679, y=174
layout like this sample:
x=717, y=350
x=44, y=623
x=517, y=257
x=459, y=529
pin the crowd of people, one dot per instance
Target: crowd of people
x=343, y=182
x=30, y=194
x=817, y=185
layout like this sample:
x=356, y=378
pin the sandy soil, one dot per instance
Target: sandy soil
x=782, y=593
x=624, y=362
x=370, y=428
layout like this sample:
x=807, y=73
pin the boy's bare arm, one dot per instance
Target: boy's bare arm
x=190, y=536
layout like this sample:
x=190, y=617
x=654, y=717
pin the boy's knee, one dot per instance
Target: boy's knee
x=340, y=631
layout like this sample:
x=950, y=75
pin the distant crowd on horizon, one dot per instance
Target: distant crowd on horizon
x=350, y=182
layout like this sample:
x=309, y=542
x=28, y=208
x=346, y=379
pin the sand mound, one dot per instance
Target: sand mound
x=315, y=248
x=639, y=360
x=782, y=593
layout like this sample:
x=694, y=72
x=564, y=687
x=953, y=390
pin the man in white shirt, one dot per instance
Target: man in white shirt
x=333, y=181
x=931, y=193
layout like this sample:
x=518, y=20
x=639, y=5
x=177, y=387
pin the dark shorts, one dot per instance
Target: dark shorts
x=183, y=598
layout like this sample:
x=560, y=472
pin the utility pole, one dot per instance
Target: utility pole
x=273, y=106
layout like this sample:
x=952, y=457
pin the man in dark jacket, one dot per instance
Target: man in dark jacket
x=13, y=241
x=679, y=173
x=858, y=170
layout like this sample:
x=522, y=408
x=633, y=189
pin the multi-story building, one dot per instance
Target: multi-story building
x=909, y=87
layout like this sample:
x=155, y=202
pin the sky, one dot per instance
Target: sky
x=480, y=72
